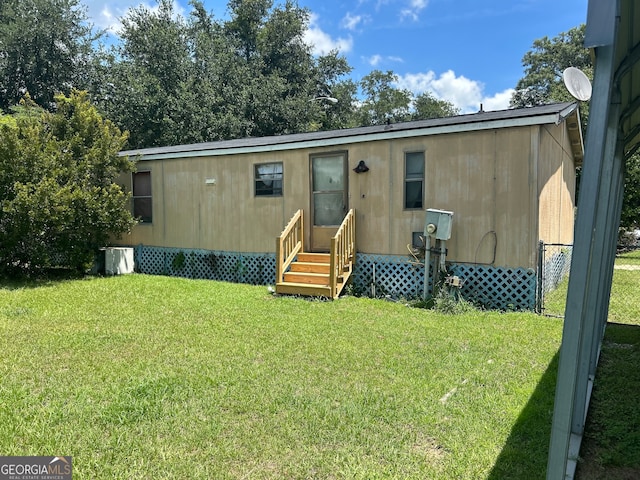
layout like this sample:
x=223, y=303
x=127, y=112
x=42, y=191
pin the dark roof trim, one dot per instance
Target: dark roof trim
x=554, y=113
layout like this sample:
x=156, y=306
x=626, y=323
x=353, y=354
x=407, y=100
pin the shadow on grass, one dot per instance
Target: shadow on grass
x=524, y=455
x=611, y=443
x=46, y=278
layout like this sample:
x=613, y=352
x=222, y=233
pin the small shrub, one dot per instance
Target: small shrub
x=178, y=261
x=446, y=300
x=450, y=302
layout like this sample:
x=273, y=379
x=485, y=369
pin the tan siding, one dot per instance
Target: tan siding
x=556, y=186
x=489, y=179
x=462, y=181
x=515, y=196
x=370, y=195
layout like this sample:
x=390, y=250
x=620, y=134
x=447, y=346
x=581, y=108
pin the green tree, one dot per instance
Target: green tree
x=45, y=48
x=426, y=106
x=630, y=217
x=333, y=82
x=146, y=77
x=543, y=83
x=544, y=64
x=58, y=198
x=176, y=80
x=214, y=93
x=383, y=102
x=282, y=72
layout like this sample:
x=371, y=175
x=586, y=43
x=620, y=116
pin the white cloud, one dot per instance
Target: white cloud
x=321, y=42
x=413, y=10
x=499, y=101
x=375, y=60
x=463, y=93
x=351, y=22
x=107, y=14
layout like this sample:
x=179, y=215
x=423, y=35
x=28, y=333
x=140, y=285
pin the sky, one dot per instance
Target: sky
x=467, y=52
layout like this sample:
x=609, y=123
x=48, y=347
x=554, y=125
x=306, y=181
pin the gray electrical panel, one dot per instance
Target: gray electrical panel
x=438, y=224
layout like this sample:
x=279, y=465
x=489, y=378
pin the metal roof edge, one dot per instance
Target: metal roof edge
x=566, y=112
x=463, y=123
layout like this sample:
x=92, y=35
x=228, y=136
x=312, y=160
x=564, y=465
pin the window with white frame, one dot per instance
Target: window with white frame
x=142, y=209
x=413, y=180
x=268, y=179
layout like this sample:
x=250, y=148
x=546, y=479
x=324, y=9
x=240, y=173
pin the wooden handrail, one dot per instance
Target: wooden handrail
x=342, y=253
x=289, y=244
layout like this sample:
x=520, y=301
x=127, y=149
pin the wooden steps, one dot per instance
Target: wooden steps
x=308, y=275
x=314, y=274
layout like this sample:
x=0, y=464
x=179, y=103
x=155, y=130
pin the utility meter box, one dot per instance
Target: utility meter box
x=438, y=224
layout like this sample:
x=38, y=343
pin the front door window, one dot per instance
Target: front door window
x=328, y=190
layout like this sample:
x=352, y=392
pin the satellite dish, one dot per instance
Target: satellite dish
x=577, y=83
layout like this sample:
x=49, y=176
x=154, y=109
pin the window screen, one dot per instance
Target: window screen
x=268, y=179
x=413, y=179
x=142, y=209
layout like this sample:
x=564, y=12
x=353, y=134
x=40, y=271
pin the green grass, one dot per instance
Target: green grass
x=156, y=377
x=624, y=292
x=611, y=442
x=629, y=258
x=555, y=301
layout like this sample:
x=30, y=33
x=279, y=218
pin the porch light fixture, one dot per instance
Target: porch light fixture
x=361, y=167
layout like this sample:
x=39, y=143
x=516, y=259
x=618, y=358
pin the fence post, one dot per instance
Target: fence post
x=540, y=283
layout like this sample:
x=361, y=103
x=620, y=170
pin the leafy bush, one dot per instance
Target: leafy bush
x=58, y=199
x=448, y=300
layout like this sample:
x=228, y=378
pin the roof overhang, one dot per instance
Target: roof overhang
x=547, y=114
x=574, y=128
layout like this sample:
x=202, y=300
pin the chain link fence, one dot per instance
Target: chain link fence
x=554, y=264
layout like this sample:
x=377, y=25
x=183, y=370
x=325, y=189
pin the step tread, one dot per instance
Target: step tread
x=305, y=289
x=306, y=277
x=311, y=267
x=314, y=257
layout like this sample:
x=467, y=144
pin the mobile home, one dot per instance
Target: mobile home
x=215, y=210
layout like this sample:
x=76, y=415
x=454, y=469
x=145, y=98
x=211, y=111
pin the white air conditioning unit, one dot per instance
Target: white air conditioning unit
x=118, y=260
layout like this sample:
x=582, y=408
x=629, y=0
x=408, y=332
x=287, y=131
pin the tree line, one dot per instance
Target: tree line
x=168, y=79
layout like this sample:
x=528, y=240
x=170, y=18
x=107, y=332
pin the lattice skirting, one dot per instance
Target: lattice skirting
x=374, y=275
x=388, y=276
x=252, y=268
x=498, y=287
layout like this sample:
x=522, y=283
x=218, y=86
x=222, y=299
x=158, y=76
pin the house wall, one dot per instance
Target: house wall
x=557, y=186
x=489, y=179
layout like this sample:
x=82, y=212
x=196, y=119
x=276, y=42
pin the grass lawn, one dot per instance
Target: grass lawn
x=157, y=377
x=611, y=443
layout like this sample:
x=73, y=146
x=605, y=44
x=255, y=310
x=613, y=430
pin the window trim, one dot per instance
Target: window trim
x=136, y=197
x=279, y=193
x=413, y=180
